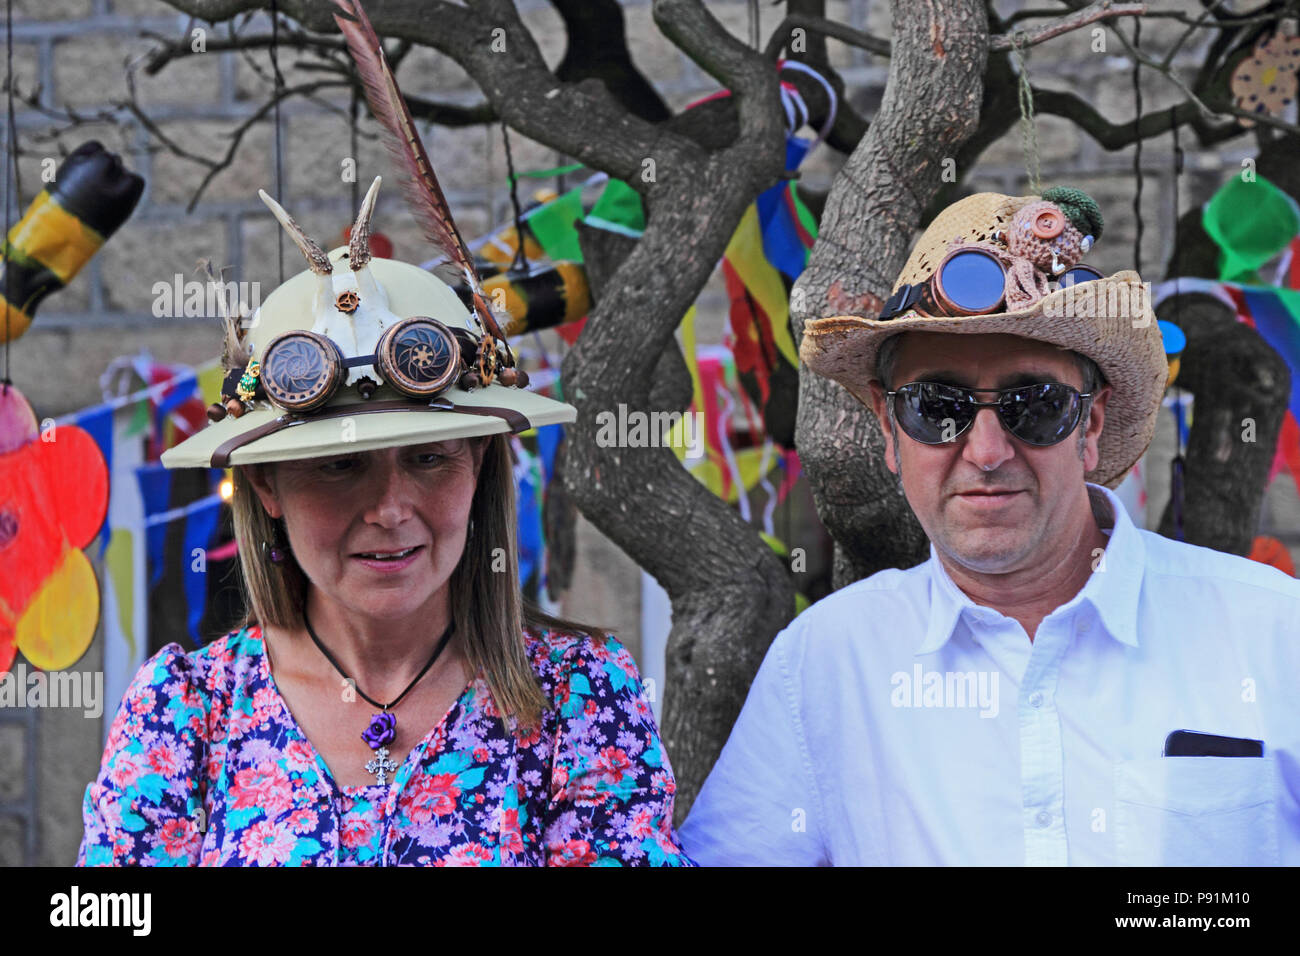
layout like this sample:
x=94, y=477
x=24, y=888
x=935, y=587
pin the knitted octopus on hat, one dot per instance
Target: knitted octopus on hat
x=1045, y=238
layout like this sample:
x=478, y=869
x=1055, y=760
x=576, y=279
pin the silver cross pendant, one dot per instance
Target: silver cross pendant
x=380, y=765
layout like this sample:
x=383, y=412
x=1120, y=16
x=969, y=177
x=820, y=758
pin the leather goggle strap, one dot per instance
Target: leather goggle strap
x=221, y=456
x=907, y=296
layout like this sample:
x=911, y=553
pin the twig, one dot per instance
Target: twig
x=1176, y=15
x=1100, y=10
x=1191, y=28
x=1206, y=111
x=830, y=28
x=171, y=50
x=1167, y=72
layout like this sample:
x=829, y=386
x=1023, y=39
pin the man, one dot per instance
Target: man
x=1016, y=698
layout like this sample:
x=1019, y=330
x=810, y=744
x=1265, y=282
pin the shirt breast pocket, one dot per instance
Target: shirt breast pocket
x=1196, y=811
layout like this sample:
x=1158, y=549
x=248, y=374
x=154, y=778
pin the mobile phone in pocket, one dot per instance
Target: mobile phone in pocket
x=1192, y=743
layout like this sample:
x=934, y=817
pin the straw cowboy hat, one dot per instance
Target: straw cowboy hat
x=306, y=400
x=1036, y=239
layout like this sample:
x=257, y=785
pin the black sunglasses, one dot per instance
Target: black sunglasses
x=1042, y=414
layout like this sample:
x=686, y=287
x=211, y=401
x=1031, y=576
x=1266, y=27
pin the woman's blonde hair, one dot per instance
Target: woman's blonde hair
x=487, y=603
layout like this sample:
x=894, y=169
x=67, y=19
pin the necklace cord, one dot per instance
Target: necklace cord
x=437, y=652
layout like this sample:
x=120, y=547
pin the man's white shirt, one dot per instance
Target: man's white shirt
x=896, y=722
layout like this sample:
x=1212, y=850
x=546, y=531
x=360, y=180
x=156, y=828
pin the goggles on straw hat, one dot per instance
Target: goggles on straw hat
x=997, y=264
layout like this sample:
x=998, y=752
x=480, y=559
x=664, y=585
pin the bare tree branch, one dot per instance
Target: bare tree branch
x=780, y=37
x=169, y=50
x=1206, y=112
x=1034, y=13
x=1113, y=136
x=1100, y=10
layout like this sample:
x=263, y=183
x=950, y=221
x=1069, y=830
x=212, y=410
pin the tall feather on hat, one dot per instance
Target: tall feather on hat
x=419, y=182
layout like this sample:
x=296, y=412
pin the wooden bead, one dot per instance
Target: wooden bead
x=522, y=379
x=508, y=376
x=470, y=381
x=235, y=407
x=216, y=412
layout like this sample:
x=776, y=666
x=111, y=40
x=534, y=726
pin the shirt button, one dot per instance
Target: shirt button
x=1044, y=818
x=1036, y=699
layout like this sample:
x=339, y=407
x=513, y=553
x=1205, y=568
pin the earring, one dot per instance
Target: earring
x=277, y=549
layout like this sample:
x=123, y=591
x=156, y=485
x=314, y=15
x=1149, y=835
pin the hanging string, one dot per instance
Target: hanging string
x=1028, y=129
x=1178, y=172
x=353, y=147
x=11, y=170
x=1137, y=152
x=1178, y=466
x=520, y=263
x=279, y=157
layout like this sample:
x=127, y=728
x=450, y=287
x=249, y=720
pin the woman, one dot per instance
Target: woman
x=388, y=700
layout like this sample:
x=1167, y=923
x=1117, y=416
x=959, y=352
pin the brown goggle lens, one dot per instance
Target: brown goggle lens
x=301, y=370
x=419, y=356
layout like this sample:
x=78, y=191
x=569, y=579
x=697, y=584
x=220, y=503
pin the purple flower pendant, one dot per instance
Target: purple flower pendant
x=382, y=730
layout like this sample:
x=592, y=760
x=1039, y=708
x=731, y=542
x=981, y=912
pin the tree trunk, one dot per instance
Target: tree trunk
x=930, y=107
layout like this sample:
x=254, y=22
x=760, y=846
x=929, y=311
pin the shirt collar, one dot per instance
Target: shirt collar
x=1113, y=588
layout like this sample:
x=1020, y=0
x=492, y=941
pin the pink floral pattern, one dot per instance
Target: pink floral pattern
x=205, y=765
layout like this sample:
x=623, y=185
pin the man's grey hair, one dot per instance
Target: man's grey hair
x=1089, y=372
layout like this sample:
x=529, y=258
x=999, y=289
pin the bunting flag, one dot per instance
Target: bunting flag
x=201, y=519
x=789, y=227
x=534, y=471
x=98, y=424
x=768, y=252
x=529, y=482
x=730, y=474
x=155, y=483
x=553, y=291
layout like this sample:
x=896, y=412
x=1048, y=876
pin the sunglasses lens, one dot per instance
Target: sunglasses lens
x=972, y=281
x=1079, y=274
x=419, y=357
x=301, y=370
x=1040, y=414
x=930, y=413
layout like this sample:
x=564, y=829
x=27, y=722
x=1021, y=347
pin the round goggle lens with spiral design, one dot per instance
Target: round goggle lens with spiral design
x=301, y=370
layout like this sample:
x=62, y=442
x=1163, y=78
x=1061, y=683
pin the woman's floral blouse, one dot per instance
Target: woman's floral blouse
x=205, y=765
